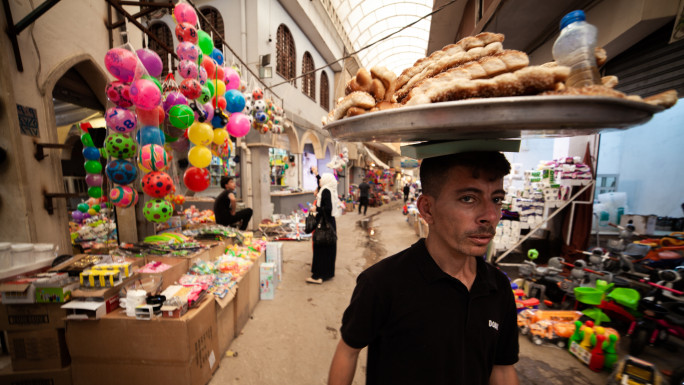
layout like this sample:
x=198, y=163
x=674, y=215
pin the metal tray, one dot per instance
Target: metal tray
x=496, y=118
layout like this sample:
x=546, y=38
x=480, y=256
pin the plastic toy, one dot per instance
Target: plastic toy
x=594, y=345
x=633, y=371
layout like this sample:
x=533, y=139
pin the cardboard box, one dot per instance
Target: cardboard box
x=88, y=309
x=179, y=266
x=254, y=283
x=55, y=294
x=267, y=280
x=225, y=321
x=120, y=350
x=274, y=253
x=18, y=291
x=29, y=317
x=60, y=376
x=38, y=349
x=643, y=224
x=241, y=301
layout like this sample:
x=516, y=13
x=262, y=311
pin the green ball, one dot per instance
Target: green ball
x=158, y=210
x=181, y=116
x=97, y=207
x=121, y=146
x=206, y=95
x=95, y=192
x=211, y=88
x=83, y=207
x=93, y=167
x=205, y=43
x=87, y=140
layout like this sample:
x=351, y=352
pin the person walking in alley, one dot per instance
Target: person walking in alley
x=407, y=189
x=437, y=313
x=225, y=206
x=364, y=193
x=327, y=208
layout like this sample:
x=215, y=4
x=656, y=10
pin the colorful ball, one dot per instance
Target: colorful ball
x=120, y=146
x=205, y=96
x=145, y=94
x=181, y=116
x=153, y=157
x=158, y=210
x=91, y=153
x=184, y=13
x=220, y=136
x=196, y=179
x=199, y=156
x=95, y=191
x=150, y=135
x=119, y=94
x=188, y=69
x=87, y=140
x=201, y=134
x=93, y=166
x=83, y=207
x=174, y=98
x=120, y=120
x=259, y=105
x=231, y=79
x=151, y=61
x=123, y=196
x=220, y=73
x=186, y=32
x=93, y=180
x=205, y=43
x=187, y=51
x=209, y=65
x=235, y=101
x=217, y=55
x=191, y=88
x=258, y=94
x=123, y=64
x=153, y=117
x=261, y=117
x=157, y=184
x=238, y=125
x=203, y=76
x=121, y=171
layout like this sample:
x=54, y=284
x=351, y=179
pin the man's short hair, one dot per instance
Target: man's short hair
x=224, y=181
x=433, y=171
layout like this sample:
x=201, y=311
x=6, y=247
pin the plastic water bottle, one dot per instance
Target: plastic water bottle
x=574, y=48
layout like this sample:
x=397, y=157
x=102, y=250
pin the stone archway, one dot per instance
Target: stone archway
x=311, y=137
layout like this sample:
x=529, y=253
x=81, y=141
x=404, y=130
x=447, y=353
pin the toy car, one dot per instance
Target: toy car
x=633, y=371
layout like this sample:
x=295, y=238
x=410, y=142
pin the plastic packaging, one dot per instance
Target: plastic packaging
x=22, y=254
x=5, y=255
x=574, y=48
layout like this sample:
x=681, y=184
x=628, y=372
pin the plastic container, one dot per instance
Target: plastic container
x=5, y=255
x=574, y=48
x=22, y=254
x=43, y=251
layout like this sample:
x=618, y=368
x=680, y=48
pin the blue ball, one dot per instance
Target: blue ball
x=91, y=153
x=261, y=116
x=217, y=55
x=235, y=101
x=150, y=135
x=121, y=171
x=218, y=121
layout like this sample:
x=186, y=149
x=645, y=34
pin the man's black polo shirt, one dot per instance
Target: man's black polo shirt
x=422, y=326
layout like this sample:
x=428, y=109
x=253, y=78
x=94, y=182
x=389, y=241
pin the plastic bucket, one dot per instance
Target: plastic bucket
x=22, y=254
x=44, y=251
x=5, y=255
x=588, y=295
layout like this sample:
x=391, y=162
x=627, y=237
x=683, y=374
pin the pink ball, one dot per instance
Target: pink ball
x=119, y=94
x=238, y=125
x=151, y=61
x=187, y=51
x=145, y=94
x=123, y=196
x=123, y=64
x=209, y=109
x=203, y=76
x=153, y=157
x=184, y=13
x=188, y=69
x=232, y=79
x=120, y=120
x=93, y=180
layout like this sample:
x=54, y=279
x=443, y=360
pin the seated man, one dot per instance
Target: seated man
x=225, y=206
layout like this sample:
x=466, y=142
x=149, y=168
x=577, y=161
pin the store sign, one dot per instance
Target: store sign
x=28, y=120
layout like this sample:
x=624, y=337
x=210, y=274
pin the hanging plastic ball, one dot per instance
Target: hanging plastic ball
x=209, y=109
x=145, y=94
x=121, y=171
x=119, y=94
x=205, y=43
x=96, y=207
x=93, y=180
x=211, y=87
x=184, y=13
x=231, y=79
x=217, y=55
x=123, y=196
x=260, y=117
x=122, y=64
x=157, y=184
x=87, y=140
x=203, y=76
x=221, y=103
x=150, y=135
x=210, y=66
x=91, y=153
x=199, y=156
x=173, y=98
x=220, y=136
x=181, y=116
x=187, y=51
x=151, y=61
x=186, y=32
x=120, y=146
x=259, y=105
x=95, y=191
x=120, y=119
x=258, y=94
x=92, y=212
x=153, y=157
x=92, y=167
x=205, y=97
x=235, y=101
x=220, y=87
x=238, y=125
x=77, y=216
x=220, y=73
x=191, y=88
x=188, y=69
x=82, y=207
x=196, y=179
x=201, y=134
x=158, y=210
x=153, y=117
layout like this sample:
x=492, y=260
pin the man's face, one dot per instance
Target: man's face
x=464, y=216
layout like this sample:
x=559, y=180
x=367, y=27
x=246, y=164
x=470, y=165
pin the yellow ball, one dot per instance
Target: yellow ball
x=220, y=136
x=201, y=134
x=199, y=156
x=220, y=87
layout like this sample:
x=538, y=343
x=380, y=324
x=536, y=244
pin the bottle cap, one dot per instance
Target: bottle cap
x=572, y=17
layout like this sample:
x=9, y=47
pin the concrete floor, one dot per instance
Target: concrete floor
x=292, y=339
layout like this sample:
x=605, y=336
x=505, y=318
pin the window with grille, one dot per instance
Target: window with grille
x=214, y=17
x=309, y=80
x=162, y=32
x=325, y=91
x=285, y=54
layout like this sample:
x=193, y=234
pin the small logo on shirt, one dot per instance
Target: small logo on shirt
x=494, y=325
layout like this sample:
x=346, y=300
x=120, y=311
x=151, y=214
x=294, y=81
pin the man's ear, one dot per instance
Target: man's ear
x=425, y=205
